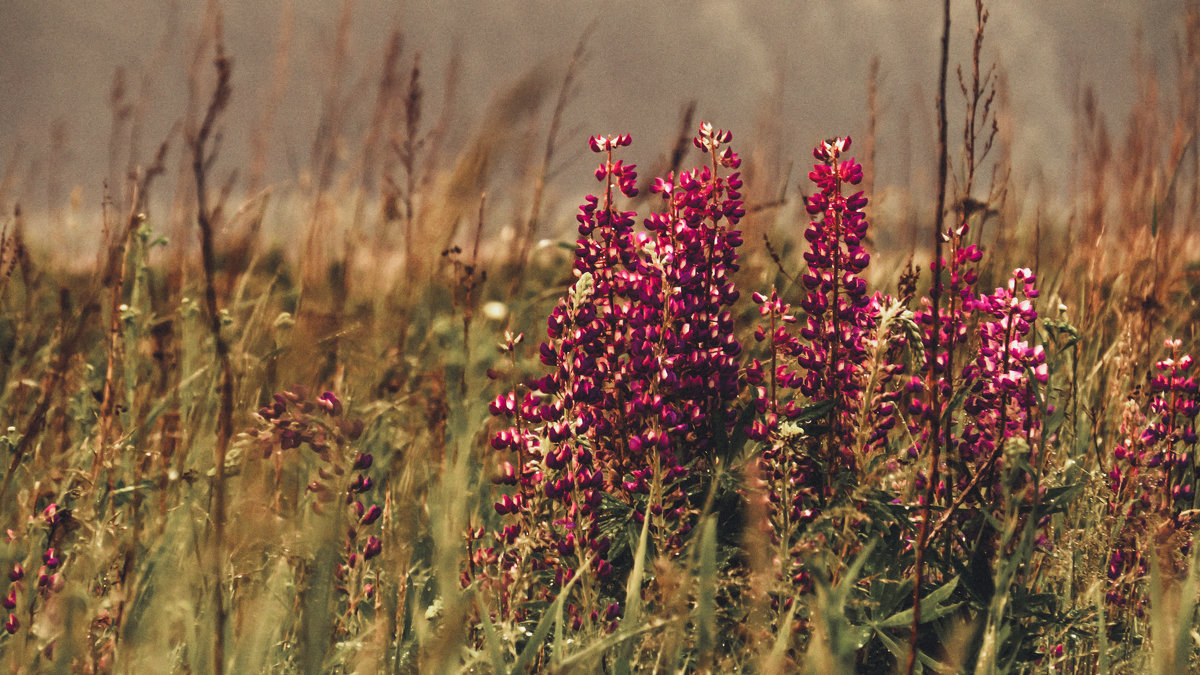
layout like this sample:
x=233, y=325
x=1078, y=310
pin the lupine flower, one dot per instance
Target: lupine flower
x=51, y=514
x=292, y=420
x=1152, y=477
x=956, y=281
x=642, y=364
x=779, y=375
x=372, y=548
x=361, y=483
x=825, y=361
x=372, y=514
x=330, y=403
x=1001, y=402
x=839, y=313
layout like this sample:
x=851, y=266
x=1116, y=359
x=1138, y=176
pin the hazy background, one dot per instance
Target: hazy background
x=779, y=74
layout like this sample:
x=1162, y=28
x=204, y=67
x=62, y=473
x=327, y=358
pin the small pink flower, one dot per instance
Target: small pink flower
x=373, y=547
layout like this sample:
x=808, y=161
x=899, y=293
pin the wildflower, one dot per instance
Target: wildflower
x=1152, y=477
x=330, y=403
x=371, y=515
x=51, y=514
x=839, y=313
x=1002, y=401
x=642, y=366
x=361, y=484
x=372, y=548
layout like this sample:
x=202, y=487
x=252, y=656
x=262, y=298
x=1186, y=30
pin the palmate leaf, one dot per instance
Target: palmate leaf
x=901, y=653
x=842, y=637
x=1057, y=499
x=932, y=608
x=886, y=594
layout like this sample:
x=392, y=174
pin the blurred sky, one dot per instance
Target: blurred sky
x=645, y=60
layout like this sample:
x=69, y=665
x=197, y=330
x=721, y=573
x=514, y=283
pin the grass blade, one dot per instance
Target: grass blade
x=552, y=615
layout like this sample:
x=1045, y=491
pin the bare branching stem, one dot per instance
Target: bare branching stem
x=198, y=141
x=935, y=440
x=565, y=90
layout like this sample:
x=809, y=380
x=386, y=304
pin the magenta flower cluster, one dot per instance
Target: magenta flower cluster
x=1001, y=402
x=829, y=355
x=49, y=579
x=643, y=368
x=292, y=420
x=1153, y=474
x=824, y=360
x=839, y=313
x=984, y=349
x=955, y=280
x=771, y=381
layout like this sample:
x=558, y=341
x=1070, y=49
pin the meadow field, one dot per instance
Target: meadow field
x=720, y=411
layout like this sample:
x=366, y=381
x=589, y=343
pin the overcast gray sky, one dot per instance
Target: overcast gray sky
x=645, y=60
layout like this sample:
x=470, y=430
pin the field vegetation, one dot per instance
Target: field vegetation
x=733, y=422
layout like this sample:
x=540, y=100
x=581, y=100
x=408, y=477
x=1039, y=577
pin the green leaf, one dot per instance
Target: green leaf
x=887, y=593
x=814, y=411
x=707, y=603
x=774, y=663
x=633, y=594
x=931, y=608
x=954, y=404
x=1103, y=664
x=901, y=653
x=490, y=639
x=600, y=646
x=1057, y=499
x=550, y=616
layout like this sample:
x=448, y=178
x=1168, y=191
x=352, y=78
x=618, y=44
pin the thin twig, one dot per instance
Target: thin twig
x=932, y=384
x=202, y=158
x=565, y=90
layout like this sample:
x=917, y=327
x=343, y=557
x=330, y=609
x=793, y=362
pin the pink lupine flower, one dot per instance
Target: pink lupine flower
x=1152, y=477
x=839, y=313
x=642, y=361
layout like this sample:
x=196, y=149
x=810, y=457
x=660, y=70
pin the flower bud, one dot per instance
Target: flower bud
x=372, y=515
x=373, y=548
